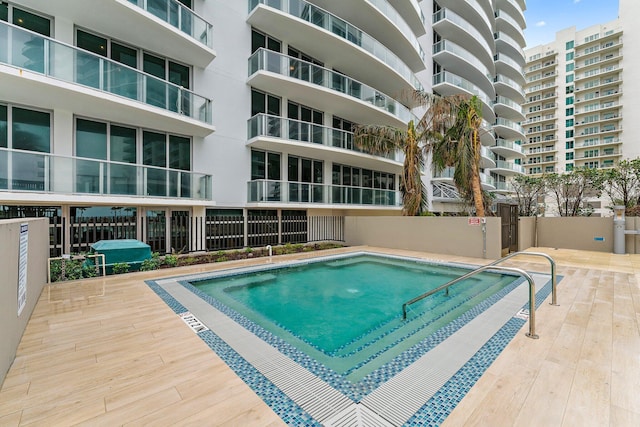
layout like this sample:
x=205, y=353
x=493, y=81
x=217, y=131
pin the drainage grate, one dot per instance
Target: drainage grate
x=357, y=415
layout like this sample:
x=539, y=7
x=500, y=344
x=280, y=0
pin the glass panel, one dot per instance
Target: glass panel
x=31, y=130
x=155, y=89
x=158, y=8
x=180, y=158
x=179, y=75
x=91, y=142
x=3, y=144
x=273, y=166
x=258, y=165
x=154, y=153
x=91, y=139
x=292, y=175
x=4, y=11
x=258, y=40
x=122, y=178
x=273, y=104
x=32, y=22
x=122, y=80
x=29, y=171
x=3, y=126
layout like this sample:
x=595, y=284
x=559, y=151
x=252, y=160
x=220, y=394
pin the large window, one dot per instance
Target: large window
x=20, y=17
x=30, y=132
x=264, y=103
x=265, y=166
x=303, y=119
x=360, y=179
x=261, y=40
x=302, y=174
x=124, y=81
x=116, y=172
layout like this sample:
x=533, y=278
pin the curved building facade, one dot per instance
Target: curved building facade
x=478, y=50
x=144, y=119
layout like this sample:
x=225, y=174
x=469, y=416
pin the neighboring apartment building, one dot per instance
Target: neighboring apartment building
x=478, y=50
x=134, y=118
x=582, y=103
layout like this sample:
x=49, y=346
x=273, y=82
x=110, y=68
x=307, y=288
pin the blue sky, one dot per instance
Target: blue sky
x=545, y=17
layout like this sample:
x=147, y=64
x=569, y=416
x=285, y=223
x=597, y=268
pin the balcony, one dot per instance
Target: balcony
x=508, y=149
x=308, y=139
x=507, y=168
x=452, y=27
x=446, y=83
x=40, y=71
x=27, y=171
x=607, y=96
x=509, y=88
x=284, y=192
x=595, y=142
x=506, y=187
x=506, y=44
x=320, y=34
x=508, y=129
x=507, y=24
x=451, y=56
x=514, y=9
x=379, y=19
x=505, y=107
x=603, y=72
x=487, y=158
x=324, y=89
x=475, y=16
x=177, y=32
x=446, y=175
x=507, y=66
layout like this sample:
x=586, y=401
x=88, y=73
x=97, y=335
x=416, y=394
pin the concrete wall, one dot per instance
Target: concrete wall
x=444, y=235
x=526, y=232
x=584, y=233
x=12, y=326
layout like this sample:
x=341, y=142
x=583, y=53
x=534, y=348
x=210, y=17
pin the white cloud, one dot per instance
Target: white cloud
x=576, y=1
x=540, y=24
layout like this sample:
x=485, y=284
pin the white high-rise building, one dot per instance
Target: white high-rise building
x=478, y=50
x=136, y=118
x=581, y=97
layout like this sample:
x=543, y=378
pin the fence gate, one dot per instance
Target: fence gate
x=509, y=215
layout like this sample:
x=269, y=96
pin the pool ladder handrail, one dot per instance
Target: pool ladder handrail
x=532, y=292
x=554, y=281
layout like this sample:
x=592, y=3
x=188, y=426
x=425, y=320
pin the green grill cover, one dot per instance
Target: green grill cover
x=131, y=251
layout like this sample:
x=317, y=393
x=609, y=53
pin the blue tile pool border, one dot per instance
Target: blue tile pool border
x=432, y=413
x=290, y=412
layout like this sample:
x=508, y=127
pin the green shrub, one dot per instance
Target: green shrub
x=121, y=267
x=170, y=260
x=149, y=264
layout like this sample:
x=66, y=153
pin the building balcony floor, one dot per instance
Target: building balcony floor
x=132, y=369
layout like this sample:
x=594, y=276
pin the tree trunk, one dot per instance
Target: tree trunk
x=476, y=186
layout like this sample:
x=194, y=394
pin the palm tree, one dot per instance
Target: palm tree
x=414, y=142
x=461, y=148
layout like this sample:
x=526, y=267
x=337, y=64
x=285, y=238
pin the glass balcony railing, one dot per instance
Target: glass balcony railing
x=449, y=172
x=501, y=164
x=509, y=144
x=30, y=51
x=296, y=130
x=263, y=190
x=339, y=27
x=500, y=121
x=455, y=80
x=181, y=17
x=506, y=101
x=288, y=66
x=48, y=173
x=451, y=47
x=449, y=15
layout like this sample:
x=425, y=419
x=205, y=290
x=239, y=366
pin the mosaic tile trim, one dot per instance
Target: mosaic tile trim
x=281, y=404
x=438, y=408
x=355, y=391
x=432, y=413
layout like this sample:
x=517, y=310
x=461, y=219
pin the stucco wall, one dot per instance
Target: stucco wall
x=584, y=233
x=448, y=235
x=526, y=232
x=12, y=326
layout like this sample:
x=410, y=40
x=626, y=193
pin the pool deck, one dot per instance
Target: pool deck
x=111, y=352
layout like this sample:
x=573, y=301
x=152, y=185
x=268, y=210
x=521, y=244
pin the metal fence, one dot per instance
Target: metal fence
x=189, y=234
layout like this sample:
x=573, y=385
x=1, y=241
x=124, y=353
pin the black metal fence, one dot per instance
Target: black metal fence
x=189, y=234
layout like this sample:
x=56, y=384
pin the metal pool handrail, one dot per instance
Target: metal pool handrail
x=532, y=293
x=554, y=282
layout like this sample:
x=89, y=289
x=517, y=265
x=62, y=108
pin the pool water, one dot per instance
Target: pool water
x=347, y=313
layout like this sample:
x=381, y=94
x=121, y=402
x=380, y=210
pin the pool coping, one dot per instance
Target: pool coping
x=282, y=381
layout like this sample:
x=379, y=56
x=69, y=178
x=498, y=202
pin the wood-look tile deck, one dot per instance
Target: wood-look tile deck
x=111, y=352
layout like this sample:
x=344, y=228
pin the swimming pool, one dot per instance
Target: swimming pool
x=346, y=313
x=312, y=372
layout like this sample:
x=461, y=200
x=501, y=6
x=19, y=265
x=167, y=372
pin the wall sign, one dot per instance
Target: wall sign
x=22, y=267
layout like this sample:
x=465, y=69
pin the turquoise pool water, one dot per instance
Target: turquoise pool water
x=347, y=313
